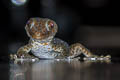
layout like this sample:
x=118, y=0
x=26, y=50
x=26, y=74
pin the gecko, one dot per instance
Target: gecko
x=44, y=45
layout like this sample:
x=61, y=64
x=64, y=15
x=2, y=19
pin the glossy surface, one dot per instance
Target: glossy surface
x=19, y=2
x=60, y=70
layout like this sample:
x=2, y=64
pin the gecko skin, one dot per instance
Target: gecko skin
x=42, y=43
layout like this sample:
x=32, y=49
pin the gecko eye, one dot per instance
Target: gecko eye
x=51, y=24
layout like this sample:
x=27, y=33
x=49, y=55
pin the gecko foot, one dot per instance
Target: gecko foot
x=98, y=58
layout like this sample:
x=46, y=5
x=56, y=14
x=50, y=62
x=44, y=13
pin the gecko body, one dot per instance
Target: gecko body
x=43, y=44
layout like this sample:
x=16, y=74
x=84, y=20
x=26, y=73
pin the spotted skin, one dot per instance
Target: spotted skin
x=42, y=43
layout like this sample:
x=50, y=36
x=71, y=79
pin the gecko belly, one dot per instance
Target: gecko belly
x=41, y=54
x=43, y=51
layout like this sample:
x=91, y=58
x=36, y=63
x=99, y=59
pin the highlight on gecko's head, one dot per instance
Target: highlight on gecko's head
x=41, y=28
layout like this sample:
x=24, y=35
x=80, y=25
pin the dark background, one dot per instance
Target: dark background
x=93, y=23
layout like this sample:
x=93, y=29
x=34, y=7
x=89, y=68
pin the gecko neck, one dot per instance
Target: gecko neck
x=48, y=40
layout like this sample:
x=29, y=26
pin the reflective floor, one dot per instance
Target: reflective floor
x=60, y=70
x=64, y=70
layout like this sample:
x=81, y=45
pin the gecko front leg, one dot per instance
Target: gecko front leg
x=77, y=49
x=23, y=53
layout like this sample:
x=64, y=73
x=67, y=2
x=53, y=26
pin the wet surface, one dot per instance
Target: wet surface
x=60, y=70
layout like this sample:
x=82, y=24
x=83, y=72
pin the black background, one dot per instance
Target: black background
x=94, y=23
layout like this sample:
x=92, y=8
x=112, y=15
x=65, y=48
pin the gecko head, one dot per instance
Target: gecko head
x=41, y=28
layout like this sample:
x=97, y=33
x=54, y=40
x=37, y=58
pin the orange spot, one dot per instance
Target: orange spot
x=55, y=48
x=45, y=44
x=48, y=48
